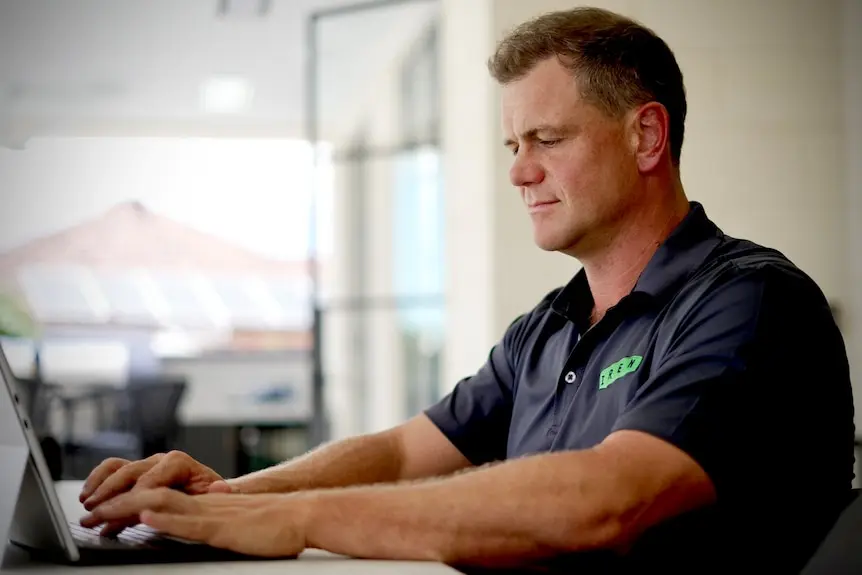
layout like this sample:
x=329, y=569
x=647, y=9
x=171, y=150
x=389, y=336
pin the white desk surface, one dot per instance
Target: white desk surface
x=310, y=562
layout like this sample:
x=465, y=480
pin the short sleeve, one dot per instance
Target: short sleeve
x=753, y=383
x=475, y=416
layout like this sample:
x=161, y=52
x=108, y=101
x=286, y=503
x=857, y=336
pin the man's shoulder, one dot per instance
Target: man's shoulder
x=744, y=260
x=745, y=269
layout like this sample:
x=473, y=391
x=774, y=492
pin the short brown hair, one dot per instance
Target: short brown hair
x=618, y=63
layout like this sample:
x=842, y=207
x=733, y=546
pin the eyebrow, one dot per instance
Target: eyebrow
x=533, y=133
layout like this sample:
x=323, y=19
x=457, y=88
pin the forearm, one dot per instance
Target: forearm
x=517, y=511
x=359, y=460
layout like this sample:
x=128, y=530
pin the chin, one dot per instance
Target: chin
x=551, y=245
x=556, y=242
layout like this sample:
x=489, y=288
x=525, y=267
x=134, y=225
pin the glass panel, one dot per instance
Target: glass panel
x=379, y=370
x=292, y=296
x=184, y=304
x=237, y=296
x=57, y=293
x=382, y=286
x=125, y=297
x=420, y=86
x=418, y=224
x=372, y=75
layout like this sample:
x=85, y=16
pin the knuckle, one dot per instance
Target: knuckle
x=105, y=469
x=114, y=462
x=155, y=458
x=152, y=479
x=123, y=477
x=176, y=455
x=157, y=475
x=126, y=473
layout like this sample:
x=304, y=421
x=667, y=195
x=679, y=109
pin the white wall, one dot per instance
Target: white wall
x=764, y=146
x=764, y=149
x=469, y=167
x=851, y=16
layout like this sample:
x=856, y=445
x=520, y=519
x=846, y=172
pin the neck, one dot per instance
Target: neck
x=613, y=270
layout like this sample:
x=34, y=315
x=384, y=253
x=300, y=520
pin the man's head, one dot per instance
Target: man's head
x=593, y=109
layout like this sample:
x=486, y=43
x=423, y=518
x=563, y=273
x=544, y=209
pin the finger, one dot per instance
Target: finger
x=122, y=480
x=169, y=470
x=124, y=508
x=128, y=506
x=220, y=487
x=99, y=474
x=114, y=528
x=191, y=527
x=173, y=468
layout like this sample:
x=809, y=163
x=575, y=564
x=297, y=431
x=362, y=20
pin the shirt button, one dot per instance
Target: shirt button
x=571, y=377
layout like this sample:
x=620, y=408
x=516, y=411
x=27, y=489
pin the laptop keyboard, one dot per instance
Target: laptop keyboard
x=139, y=537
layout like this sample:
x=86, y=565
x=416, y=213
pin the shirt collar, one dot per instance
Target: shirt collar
x=685, y=249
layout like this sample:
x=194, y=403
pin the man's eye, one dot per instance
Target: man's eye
x=514, y=150
x=550, y=143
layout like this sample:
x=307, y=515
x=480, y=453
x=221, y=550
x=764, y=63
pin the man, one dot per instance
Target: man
x=684, y=398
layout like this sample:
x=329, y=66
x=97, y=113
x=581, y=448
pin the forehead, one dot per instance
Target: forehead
x=547, y=94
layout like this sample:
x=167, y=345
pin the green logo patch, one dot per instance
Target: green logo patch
x=619, y=369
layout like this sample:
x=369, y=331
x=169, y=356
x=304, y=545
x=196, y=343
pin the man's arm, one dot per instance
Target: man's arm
x=518, y=511
x=413, y=450
x=467, y=427
x=511, y=513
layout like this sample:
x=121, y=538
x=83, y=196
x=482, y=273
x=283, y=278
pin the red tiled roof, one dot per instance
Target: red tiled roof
x=131, y=236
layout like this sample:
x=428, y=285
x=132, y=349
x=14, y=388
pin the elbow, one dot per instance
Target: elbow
x=597, y=529
x=599, y=518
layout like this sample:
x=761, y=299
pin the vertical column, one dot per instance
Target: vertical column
x=851, y=17
x=385, y=376
x=468, y=167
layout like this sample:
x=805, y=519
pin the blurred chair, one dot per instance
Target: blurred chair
x=37, y=398
x=841, y=550
x=144, y=422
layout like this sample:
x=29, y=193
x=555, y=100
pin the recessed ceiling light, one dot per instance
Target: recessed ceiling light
x=244, y=8
x=226, y=95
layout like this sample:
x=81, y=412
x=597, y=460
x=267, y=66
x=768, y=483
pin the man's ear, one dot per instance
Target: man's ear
x=651, y=132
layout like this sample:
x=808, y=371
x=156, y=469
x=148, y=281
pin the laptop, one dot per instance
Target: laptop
x=32, y=517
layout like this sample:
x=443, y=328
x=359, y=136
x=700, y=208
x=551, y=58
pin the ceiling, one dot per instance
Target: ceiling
x=136, y=67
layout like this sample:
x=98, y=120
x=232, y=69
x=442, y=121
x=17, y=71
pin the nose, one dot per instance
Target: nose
x=525, y=171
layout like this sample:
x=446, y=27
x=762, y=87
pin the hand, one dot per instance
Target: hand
x=261, y=525
x=175, y=469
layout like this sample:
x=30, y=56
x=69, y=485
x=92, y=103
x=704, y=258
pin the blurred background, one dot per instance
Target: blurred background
x=244, y=227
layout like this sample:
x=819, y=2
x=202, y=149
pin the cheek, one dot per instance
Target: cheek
x=570, y=179
x=593, y=170
x=576, y=176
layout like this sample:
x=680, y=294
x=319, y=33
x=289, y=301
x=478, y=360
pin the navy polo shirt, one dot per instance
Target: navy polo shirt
x=724, y=349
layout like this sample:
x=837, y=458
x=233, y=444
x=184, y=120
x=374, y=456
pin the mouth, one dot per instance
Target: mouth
x=538, y=207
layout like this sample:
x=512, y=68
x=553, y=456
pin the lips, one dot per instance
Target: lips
x=536, y=207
